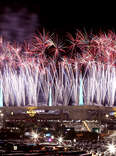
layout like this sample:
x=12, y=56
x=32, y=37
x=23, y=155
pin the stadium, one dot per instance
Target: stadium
x=57, y=87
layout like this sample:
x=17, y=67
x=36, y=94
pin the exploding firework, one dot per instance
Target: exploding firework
x=44, y=72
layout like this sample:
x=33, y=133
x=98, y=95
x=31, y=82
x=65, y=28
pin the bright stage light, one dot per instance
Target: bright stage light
x=111, y=148
x=34, y=135
x=107, y=115
x=60, y=139
x=52, y=137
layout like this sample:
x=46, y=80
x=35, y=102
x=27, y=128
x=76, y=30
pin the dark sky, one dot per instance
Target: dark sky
x=19, y=19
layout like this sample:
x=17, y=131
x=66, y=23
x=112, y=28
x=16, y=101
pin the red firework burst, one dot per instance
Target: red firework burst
x=83, y=48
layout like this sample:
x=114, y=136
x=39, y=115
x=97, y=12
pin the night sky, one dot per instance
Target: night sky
x=20, y=19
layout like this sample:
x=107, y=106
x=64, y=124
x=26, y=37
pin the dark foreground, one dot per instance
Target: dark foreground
x=13, y=148
x=45, y=153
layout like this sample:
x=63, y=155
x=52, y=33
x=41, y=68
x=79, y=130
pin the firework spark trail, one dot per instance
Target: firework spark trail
x=59, y=85
x=111, y=85
x=93, y=86
x=113, y=88
x=71, y=84
x=96, y=83
x=4, y=80
x=16, y=85
x=66, y=88
x=28, y=83
x=75, y=84
x=49, y=83
x=22, y=87
x=103, y=84
x=100, y=85
x=9, y=86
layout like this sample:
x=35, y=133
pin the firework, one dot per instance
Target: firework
x=44, y=72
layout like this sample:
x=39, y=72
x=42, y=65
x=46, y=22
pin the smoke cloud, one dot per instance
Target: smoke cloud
x=18, y=25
